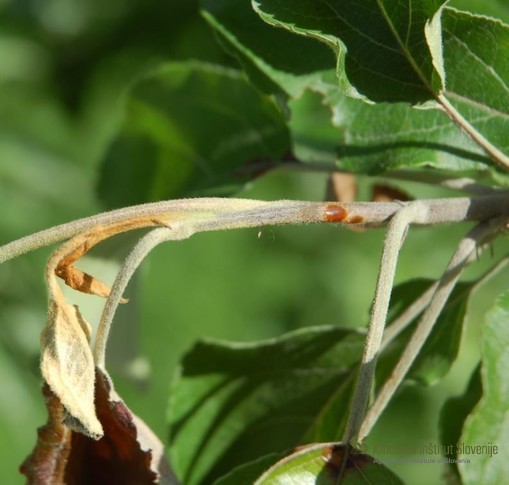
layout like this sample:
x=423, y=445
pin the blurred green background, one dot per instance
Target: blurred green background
x=64, y=65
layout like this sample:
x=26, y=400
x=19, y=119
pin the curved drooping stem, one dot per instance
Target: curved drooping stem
x=463, y=255
x=146, y=244
x=414, y=212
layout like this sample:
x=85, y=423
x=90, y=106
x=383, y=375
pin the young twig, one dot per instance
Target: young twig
x=219, y=213
x=414, y=212
x=126, y=271
x=254, y=213
x=467, y=247
x=216, y=214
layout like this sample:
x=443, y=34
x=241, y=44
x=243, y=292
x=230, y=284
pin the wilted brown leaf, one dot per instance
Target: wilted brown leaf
x=81, y=281
x=74, y=277
x=128, y=452
x=67, y=364
x=69, y=253
x=46, y=465
x=90, y=436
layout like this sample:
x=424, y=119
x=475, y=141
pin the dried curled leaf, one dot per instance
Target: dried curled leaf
x=81, y=281
x=74, y=277
x=90, y=436
x=67, y=364
x=63, y=260
x=128, y=453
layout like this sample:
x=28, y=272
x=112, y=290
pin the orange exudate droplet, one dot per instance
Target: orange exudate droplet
x=355, y=219
x=335, y=213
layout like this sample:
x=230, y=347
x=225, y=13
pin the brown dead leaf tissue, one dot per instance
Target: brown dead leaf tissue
x=91, y=436
x=67, y=364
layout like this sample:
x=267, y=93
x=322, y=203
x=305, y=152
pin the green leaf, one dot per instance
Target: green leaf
x=296, y=63
x=477, y=72
x=323, y=465
x=488, y=425
x=247, y=474
x=191, y=129
x=431, y=365
x=380, y=46
x=362, y=138
x=330, y=420
x=453, y=415
x=493, y=8
x=228, y=396
x=442, y=346
x=388, y=136
x=233, y=402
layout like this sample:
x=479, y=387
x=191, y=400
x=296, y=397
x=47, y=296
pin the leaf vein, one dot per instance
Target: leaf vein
x=488, y=67
x=492, y=112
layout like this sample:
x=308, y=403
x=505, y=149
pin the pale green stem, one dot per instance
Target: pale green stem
x=129, y=266
x=414, y=212
x=219, y=214
x=460, y=259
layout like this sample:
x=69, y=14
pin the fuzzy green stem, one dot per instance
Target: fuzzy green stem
x=396, y=231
